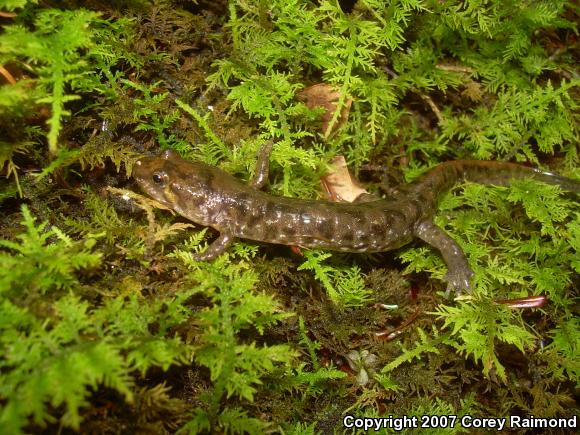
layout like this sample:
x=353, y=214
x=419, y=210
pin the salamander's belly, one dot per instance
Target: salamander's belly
x=366, y=227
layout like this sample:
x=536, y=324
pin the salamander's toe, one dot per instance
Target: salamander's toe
x=458, y=281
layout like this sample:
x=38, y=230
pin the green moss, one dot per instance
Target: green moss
x=106, y=321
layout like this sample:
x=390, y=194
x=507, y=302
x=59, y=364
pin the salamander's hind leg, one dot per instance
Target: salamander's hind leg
x=262, y=166
x=459, y=273
x=216, y=248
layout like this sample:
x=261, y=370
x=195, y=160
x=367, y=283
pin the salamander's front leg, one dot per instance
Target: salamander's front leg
x=217, y=247
x=262, y=166
x=459, y=273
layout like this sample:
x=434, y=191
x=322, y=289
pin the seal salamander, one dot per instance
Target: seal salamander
x=209, y=196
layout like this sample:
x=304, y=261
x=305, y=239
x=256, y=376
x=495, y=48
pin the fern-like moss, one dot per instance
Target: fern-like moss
x=107, y=322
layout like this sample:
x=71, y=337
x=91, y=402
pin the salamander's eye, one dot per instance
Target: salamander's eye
x=159, y=177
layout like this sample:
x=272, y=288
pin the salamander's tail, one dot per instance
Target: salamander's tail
x=442, y=177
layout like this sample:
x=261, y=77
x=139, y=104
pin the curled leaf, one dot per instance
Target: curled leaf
x=339, y=184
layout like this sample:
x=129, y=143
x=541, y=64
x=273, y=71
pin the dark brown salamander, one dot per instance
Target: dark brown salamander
x=209, y=196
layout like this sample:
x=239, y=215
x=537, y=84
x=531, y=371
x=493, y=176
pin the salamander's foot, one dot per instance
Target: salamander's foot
x=203, y=256
x=216, y=248
x=459, y=276
x=262, y=166
x=459, y=281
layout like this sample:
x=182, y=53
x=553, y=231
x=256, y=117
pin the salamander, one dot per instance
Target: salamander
x=211, y=197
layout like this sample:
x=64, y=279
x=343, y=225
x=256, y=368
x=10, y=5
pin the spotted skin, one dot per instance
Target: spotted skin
x=211, y=197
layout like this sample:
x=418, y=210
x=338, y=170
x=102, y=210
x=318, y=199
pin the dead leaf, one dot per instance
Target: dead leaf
x=326, y=97
x=339, y=184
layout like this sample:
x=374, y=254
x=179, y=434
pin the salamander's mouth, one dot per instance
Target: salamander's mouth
x=152, y=179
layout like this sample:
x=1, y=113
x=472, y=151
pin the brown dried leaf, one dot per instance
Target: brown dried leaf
x=339, y=184
x=325, y=96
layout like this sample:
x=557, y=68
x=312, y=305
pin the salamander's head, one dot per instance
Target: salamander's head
x=153, y=174
x=178, y=184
